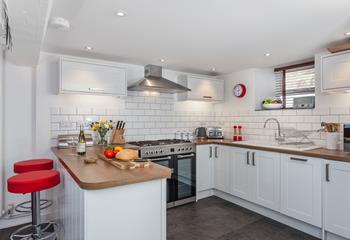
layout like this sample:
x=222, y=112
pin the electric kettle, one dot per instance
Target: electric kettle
x=200, y=132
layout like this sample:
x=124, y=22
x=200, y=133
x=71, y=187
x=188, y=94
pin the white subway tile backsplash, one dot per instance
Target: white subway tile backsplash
x=55, y=110
x=57, y=119
x=84, y=110
x=76, y=118
x=330, y=119
x=321, y=111
x=289, y=112
x=311, y=119
x=339, y=110
x=112, y=111
x=68, y=110
x=344, y=119
x=99, y=111
x=155, y=106
x=55, y=126
x=149, y=116
x=130, y=105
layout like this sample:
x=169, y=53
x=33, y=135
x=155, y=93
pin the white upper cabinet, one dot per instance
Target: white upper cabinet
x=202, y=88
x=80, y=76
x=335, y=72
x=337, y=198
x=301, y=188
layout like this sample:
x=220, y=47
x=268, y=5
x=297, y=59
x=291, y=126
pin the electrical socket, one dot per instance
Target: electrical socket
x=10, y=209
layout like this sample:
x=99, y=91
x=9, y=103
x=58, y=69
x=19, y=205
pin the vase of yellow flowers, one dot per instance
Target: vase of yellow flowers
x=102, y=127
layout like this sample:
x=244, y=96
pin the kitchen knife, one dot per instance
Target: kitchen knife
x=118, y=123
x=123, y=125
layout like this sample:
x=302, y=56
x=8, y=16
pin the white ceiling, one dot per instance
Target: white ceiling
x=196, y=35
x=28, y=21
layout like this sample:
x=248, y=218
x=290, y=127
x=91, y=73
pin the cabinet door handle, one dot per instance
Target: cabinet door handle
x=327, y=173
x=210, y=152
x=298, y=159
x=253, y=158
x=248, y=160
x=216, y=152
x=92, y=89
x=185, y=156
x=208, y=97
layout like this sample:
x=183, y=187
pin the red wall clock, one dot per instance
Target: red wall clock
x=239, y=90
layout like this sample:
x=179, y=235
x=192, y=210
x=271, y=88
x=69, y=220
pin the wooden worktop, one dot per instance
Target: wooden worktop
x=336, y=155
x=102, y=174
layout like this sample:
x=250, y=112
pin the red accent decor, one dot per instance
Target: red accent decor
x=33, y=181
x=243, y=88
x=33, y=165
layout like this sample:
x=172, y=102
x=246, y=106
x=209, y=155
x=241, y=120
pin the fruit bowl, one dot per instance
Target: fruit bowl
x=272, y=105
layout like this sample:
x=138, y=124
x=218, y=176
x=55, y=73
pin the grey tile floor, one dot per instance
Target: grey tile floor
x=216, y=219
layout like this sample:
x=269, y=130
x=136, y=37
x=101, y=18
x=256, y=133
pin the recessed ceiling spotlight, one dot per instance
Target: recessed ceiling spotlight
x=120, y=13
x=267, y=54
x=213, y=69
x=60, y=23
x=347, y=34
x=88, y=48
x=162, y=60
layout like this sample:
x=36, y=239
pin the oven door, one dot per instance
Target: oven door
x=185, y=178
x=167, y=161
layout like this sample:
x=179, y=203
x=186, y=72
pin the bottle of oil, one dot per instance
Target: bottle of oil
x=81, y=147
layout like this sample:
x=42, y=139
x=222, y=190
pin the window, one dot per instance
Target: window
x=295, y=81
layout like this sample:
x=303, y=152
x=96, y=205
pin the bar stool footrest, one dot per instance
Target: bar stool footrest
x=26, y=207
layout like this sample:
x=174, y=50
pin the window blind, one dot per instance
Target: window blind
x=295, y=82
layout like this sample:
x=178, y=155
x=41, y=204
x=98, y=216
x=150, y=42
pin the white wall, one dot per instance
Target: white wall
x=2, y=160
x=259, y=82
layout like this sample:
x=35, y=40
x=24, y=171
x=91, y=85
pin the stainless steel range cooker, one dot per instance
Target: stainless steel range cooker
x=180, y=157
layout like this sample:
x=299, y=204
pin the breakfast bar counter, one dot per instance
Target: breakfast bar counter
x=102, y=174
x=101, y=201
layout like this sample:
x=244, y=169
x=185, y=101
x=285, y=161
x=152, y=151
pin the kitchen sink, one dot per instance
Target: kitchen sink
x=287, y=146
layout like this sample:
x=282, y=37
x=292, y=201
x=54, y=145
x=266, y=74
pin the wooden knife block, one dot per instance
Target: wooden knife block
x=118, y=137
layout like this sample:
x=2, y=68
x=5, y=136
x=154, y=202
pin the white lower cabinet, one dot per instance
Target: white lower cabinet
x=301, y=188
x=337, y=198
x=289, y=184
x=239, y=172
x=205, y=168
x=251, y=175
x=222, y=163
x=265, y=179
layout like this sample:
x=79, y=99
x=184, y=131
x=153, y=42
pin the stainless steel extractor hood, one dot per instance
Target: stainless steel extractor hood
x=153, y=81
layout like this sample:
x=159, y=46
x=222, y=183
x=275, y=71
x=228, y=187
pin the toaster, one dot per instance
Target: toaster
x=215, y=133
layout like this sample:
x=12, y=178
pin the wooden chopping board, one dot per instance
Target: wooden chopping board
x=123, y=165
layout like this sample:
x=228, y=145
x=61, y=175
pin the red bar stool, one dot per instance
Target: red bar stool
x=33, y=165
x=34, y=182
x=29, y=166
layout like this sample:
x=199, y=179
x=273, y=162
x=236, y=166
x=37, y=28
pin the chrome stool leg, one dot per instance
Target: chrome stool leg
x=36, y=230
